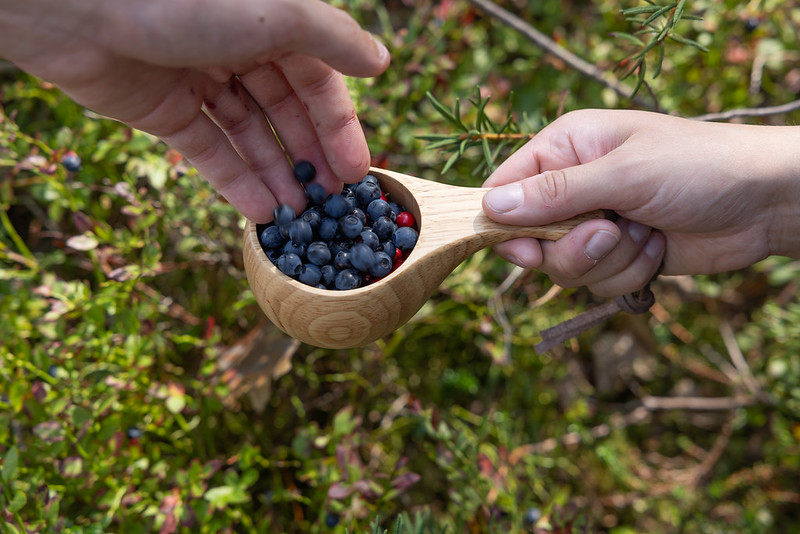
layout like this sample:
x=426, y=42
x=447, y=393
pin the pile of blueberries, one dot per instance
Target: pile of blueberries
x=341, y=241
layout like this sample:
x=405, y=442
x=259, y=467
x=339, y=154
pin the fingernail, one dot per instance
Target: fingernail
x=504, y=198
x=600, y=245
x=637, y=231
x=655, y=246
x=381, y=49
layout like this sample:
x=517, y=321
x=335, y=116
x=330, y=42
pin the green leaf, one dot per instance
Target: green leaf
x=628, y=37
x=487, y=154
x=17, y=502
x=660, y=62
x=10, y=465
x=689, y=42
x=444, y=111
x=658, y=13
x=450, y=162
x=640, y=79
x=639, y=10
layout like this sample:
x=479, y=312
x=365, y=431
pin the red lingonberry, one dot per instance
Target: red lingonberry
x=398, y=254
x=404, y=218
x=397, y=263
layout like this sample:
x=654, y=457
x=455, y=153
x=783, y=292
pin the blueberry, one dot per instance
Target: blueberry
x=362, y=257
x=318, y=253
x=271, y=237
x=273, y=254
x=370, y=238
x=53, y=370
x=310, y=274
x=388, y=248
x=283, y=215
x=383, y=228
x=366, y=192
x=350, y=226
x=331, y=519
x=336, y=206
x=360, y=214
x=405, y=238
x=378, y=208
x=315, y=193
x=381, y=265
x=347, y=279
x=342, y=260
x=396, y=209
x=329, y=273
x=531, y=517
x=350, y=196
x=304, y=171
x=339, y=244
x=290, y=264
x=328, y=228
x=750, y=25
x=295, y=247
x=371, y=179
x=71, y=161
x=300, y=230
x=313, y=217
x=134, y=432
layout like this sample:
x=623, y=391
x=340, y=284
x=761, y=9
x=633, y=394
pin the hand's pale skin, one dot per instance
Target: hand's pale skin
x=702, y=197
x=212, y=79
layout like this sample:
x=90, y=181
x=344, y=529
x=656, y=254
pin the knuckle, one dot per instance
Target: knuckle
x=552, y=188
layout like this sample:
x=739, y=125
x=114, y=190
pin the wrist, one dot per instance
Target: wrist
x=784, y=179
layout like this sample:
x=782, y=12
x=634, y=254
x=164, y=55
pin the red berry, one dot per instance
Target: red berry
x=397, y=263
x=404, y=218
x=398, y=254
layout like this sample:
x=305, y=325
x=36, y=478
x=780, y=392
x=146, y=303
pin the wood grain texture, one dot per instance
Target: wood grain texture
x=452, y=227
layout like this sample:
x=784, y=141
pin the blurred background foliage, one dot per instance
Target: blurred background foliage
x=141, y=388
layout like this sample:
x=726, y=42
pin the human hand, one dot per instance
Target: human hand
x=702, y=197
x=212, y=80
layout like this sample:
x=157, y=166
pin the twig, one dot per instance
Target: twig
x=617, y=422
x=496, y=303
x=715, y=453
x=553, y=292
x=738, y=359
x=548, y=45
x=700, y=404
x=479, y=136
x=749, y=112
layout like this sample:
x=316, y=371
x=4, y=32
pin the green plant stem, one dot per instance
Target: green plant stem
x=15, y=237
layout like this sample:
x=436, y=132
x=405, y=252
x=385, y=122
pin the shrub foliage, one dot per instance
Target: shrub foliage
x=142, y=389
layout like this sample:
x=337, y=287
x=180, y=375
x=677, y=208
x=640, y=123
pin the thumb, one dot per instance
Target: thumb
x=559, y=194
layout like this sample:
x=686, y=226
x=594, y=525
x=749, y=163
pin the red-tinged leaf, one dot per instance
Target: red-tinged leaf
x=339, y=491
x=83, y=223
x=485, y=465
x=121, y=274
x=342, y=459
x=405, y=481
x=368, y=489
x=39, y=391
x=49, y=431
x=169, y=525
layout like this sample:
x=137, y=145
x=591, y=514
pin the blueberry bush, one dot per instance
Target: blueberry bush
x=142, y=390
